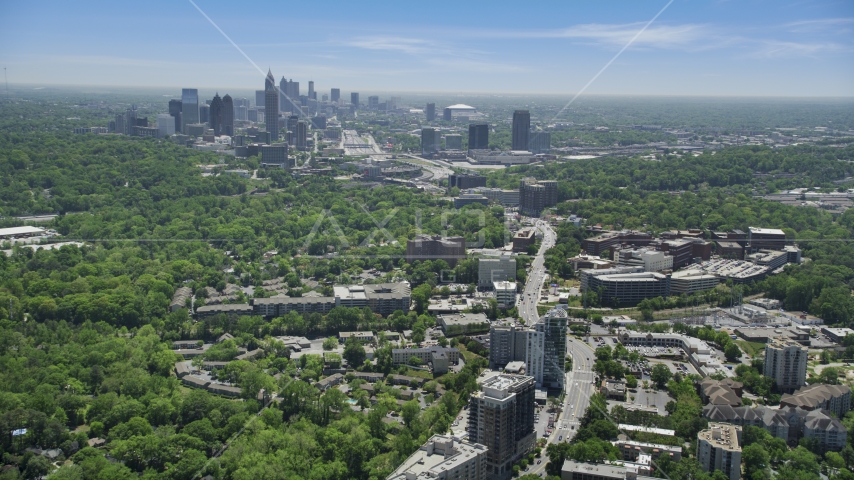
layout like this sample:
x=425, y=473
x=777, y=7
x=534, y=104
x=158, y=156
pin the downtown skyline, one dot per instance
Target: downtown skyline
x=720, y=48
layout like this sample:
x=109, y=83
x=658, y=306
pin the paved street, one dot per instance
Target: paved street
x=531, y=293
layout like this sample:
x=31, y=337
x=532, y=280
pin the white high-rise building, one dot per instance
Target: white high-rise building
x=786, y=363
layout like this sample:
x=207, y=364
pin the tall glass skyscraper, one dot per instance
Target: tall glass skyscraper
x=521, y=129
x=271, y=107
x=189, y=107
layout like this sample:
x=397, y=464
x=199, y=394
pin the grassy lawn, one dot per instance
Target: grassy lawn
x=751, y=348
x=467, y=355
x=418, y=373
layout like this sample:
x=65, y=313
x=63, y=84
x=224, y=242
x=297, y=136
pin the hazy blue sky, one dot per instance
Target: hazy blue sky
x=768, y=47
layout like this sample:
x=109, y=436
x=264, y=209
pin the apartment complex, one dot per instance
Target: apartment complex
x=786, y=363
x=501, y=417
x=718, y=448
x=440, y=357
x=382, y=298
x=443, y=457
x=535, y=196
x=834, y=398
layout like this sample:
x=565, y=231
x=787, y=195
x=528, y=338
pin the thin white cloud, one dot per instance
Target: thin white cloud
x=412, y=46
x=778, y=49
x=657, y=36
x=819, y=25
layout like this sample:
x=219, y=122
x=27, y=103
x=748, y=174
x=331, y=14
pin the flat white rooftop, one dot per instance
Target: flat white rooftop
x=11, y=232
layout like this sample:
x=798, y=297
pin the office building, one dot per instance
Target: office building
x=301, y=135
x=165, y=125
x=521, y=130
x=508, y=198
x=650, y=260
x=216, y=115
x=205, y=113
x=765, y=239
x=431, y=140
x=773, y=259
x=373, y=102
x=318, y=122
x=444, y=458
x=259, y=99
x=335, y=95
x=430, y=112
x=495, y=269
x=354, y=99
x=227, y=116
x=463, y=181
x=501, y=417
x=786, y=363
x=535, y=196
x=627, y=288
x=189, y=107
x=540, y=142
x=284, y=95
x=524, y=239
x=312, y=95
x=453, y=142
x=130, y=121
x=291, y=123
x=427, y=247
x=175, y=113
x=718, y=448
x=478, y=136
x=469, y=199
x=275, y=155
x=505, y=293
x=553, y=327
x=271, y=108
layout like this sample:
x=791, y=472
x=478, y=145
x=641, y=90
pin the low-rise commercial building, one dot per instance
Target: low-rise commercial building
x=463, y=323
x=837, y=334
x=469, y=199
x=505, y=293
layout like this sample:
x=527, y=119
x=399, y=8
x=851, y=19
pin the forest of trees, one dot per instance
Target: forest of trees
x=85, y=331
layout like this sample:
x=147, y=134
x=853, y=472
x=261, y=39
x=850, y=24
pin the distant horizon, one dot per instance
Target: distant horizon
x=448, y=93
x=757, y=48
